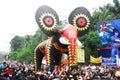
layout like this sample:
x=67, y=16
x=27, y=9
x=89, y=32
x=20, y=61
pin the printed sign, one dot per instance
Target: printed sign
x=108, y=62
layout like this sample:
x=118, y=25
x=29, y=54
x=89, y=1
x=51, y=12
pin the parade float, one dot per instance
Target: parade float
x=63, y=38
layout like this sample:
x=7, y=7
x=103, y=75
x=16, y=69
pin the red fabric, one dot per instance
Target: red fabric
x=118, y=56
x=65, y=61
x=8, y=71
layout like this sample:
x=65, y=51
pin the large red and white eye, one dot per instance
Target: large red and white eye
x=48, y=21
x=80, y=18
x=81, y=22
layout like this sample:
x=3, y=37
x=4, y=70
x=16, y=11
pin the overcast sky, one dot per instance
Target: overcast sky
x=17, y=17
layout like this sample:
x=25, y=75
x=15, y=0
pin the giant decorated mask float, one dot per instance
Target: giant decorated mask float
x=62, y=38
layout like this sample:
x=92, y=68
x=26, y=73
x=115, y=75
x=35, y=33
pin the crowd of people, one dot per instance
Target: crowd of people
x=18, y=71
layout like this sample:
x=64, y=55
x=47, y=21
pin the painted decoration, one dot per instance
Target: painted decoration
x=63, y=37
x=109, y=33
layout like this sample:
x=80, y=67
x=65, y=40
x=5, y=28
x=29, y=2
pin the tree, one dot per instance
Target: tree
x=24, y=46
x=17, y=43
x=27, y=40
x=39, y=36
x=115, y=9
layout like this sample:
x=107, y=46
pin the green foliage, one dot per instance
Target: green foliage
x=17, y=43
x=40, y=36
x=91, y=44
x=91, y=39
x=25, y=53
x=13, y=55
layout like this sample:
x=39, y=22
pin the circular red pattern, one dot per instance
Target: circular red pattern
x=48, y=21
x=81, y=22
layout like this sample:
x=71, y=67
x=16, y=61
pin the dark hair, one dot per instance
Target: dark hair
x=115, y=30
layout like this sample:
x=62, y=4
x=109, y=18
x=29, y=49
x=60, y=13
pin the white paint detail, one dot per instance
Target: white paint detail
x=79, y=43
x=63, y=41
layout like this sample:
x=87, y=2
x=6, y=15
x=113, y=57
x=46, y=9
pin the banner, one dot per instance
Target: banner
x=108, y=62
x=109, y=40
x=105, y=31
x=80, y=55
x=95, y=60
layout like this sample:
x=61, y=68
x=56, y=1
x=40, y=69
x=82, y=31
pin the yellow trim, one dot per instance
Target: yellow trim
x=81, y=28
x=48, y=52
x=35, y=58
x=42, y=23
